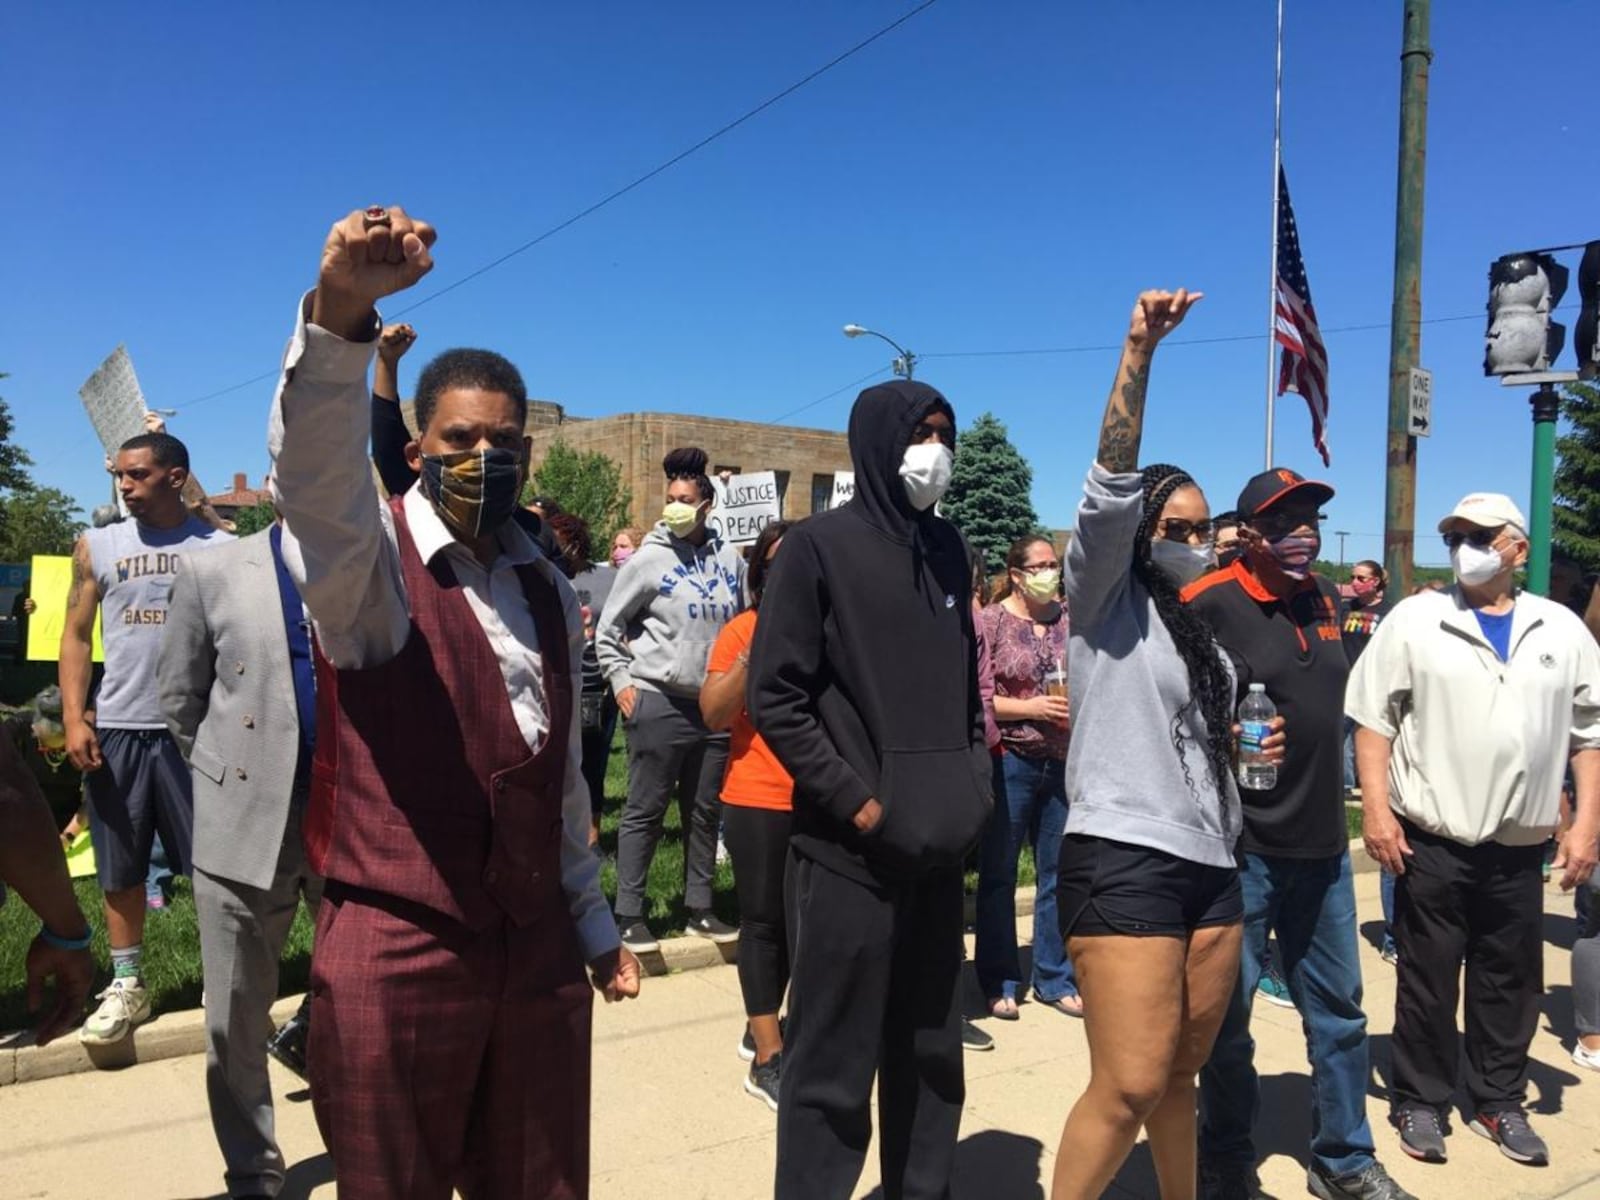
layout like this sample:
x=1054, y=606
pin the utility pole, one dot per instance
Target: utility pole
x=1341, y=534
x=1405, y=328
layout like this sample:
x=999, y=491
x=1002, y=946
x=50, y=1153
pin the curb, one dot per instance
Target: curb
x=179, y=1034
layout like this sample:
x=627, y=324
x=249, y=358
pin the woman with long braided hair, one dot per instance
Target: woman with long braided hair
x=1148, y=890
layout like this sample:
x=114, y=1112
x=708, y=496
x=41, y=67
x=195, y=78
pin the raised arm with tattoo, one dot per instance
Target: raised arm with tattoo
x=77, y=651
x=1155, y=314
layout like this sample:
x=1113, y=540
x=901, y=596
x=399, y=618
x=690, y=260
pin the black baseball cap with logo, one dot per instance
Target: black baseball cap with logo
x=1273, y=487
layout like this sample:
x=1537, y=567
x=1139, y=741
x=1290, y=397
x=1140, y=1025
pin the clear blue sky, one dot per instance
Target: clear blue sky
x=991, y=176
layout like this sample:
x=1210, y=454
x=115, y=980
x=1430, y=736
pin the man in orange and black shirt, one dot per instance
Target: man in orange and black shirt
x=1280, y=625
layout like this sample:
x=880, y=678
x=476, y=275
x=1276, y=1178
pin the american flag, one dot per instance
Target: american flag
x=1303, y=365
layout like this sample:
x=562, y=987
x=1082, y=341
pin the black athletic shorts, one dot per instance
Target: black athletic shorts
x=1106, y=887
x=142, y=788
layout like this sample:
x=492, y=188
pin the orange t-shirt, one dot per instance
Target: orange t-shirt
x=755, y=778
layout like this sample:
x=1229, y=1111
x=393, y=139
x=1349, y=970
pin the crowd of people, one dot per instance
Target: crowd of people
x=398, y=712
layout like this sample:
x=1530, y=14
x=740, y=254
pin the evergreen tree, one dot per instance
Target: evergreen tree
x=1577, y=481
x=991, y=491
x=587, y=483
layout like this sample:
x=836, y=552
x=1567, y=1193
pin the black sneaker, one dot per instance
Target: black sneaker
x=288, y=1045
x=705, y=924
x=1421, y=1134
x=973, y=1038
x=747, y=1043
x=1373, y=1183
x=636, y=936
x=1221, y=1180
x=1511, y=1132
x=762, y=1082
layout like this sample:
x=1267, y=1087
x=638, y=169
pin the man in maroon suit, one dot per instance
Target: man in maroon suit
x=450, y=1009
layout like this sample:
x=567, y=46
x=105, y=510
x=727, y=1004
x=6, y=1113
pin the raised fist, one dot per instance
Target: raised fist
x=394, y=341
x=1158, y=313
x=371, y=254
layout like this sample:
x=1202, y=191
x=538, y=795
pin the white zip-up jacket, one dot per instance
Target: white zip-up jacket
x=1480, y=746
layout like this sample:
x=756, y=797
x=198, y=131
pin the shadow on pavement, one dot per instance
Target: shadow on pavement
x=300, y=1180
x=994, y=1163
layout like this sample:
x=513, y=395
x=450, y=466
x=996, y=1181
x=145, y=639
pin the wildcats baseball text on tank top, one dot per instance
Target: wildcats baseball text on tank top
x=135, y=565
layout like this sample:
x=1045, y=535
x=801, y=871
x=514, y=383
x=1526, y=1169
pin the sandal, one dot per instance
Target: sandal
x=1003, y=1008
x=1072, y=1005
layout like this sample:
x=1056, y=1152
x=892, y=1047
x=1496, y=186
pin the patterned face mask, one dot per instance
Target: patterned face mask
x=473, y=491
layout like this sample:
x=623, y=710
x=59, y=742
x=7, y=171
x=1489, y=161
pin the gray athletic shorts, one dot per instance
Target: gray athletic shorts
x=142, y=788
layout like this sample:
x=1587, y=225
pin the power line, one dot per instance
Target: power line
x=836, y=392
x=626, y=188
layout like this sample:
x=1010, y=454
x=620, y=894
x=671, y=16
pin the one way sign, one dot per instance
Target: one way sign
x=1421, y=424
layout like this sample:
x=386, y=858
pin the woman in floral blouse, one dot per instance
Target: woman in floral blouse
x=1026, y=630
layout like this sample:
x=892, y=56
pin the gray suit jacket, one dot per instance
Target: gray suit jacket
x=227, y=693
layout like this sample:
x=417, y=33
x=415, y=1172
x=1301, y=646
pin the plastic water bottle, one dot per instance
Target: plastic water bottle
x=1256, y=714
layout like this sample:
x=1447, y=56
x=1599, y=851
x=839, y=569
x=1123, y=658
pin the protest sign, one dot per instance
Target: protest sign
x=112, y=398
x=52, y=577
x=844, y=488
x=746, y=505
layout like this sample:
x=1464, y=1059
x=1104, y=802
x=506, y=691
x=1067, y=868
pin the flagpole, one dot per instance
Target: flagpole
x=1272, y=292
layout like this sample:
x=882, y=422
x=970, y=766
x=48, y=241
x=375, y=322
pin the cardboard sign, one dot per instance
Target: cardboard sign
x=52, y=579
x=746, y=505
x=844, y=488
x=112, y=398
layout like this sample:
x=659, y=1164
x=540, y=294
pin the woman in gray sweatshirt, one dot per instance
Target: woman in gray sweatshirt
x=1148, y=891
x=667, y=605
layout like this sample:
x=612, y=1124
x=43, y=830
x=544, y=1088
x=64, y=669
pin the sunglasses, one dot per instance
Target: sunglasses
x=1481, y=538
x=1176, y=529
x=1035, y=568
x=1278, y=524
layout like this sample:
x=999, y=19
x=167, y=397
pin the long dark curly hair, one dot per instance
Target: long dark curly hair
x=1210, y=687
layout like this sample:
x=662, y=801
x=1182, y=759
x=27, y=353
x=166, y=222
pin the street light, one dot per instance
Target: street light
x=904, y=365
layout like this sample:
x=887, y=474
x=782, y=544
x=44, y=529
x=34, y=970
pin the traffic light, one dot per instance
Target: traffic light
x=1584, y=338
x=1523, y=289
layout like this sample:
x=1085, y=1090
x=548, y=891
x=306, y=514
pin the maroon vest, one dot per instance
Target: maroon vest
x=422, y=786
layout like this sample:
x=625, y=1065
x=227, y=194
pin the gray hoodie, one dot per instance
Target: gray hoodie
x=667, y=605
x=1126, y=780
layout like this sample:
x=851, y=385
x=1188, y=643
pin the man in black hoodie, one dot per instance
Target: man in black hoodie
x=864, y=683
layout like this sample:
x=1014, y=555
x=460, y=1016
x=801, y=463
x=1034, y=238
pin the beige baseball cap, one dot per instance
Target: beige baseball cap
x=1488, y=510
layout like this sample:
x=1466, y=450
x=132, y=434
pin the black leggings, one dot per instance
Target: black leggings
x=758, y=843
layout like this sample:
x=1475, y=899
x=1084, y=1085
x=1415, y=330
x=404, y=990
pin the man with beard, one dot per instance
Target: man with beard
x=450, y=1013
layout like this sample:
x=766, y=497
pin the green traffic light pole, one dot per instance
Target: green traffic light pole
x=1546, y=402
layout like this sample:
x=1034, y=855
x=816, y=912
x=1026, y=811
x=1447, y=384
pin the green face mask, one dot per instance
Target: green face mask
x=1041, y=585
x=681, y=518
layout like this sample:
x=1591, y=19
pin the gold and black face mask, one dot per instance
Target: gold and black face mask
x=473, y=491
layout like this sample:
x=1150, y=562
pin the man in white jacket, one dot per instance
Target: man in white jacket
x=1469, y=701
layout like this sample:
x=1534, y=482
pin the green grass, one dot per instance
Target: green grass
x=172, y=940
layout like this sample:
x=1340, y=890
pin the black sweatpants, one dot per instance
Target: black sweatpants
x=876, y=991
x=758, y=844
x=1482, y=905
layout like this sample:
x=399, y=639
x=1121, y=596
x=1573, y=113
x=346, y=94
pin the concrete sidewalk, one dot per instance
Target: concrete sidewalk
x=671, y=1121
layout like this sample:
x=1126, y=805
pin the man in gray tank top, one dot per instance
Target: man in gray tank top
x=138, y=782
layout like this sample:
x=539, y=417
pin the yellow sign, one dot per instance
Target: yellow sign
x=52, y=579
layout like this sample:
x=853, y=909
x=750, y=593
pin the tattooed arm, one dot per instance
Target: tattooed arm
x=77, y=648
x=1155, y=315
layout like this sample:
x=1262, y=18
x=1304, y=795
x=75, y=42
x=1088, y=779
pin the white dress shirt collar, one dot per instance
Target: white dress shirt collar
x=432, y=535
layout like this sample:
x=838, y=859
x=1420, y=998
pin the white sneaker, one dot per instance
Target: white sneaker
x=1585, y=1057
x=122, y=1006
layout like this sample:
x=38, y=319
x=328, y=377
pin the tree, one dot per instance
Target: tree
x=14, y=460
x=37, y=521
x=1577, y=481
x=991, y=491
x=253, y=520
x=587, y=483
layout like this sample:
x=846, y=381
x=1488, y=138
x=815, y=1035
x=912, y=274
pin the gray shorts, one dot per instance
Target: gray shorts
x=142, y=788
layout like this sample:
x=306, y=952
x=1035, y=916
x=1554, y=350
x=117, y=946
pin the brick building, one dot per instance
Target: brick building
x=804, y=460
x=241, y=496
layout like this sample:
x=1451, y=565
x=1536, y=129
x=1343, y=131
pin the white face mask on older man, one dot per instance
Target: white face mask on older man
x=1476, y=565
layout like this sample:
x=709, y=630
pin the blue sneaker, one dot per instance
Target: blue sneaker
x=1273, y=989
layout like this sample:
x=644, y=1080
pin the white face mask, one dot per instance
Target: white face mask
x=1474, y=566
x=925, y=470
x=1183, y=562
